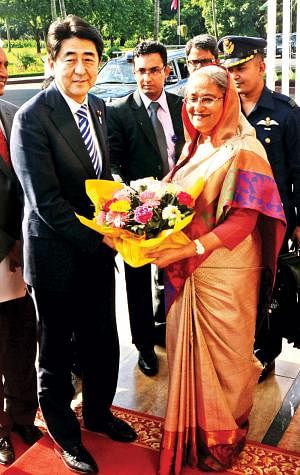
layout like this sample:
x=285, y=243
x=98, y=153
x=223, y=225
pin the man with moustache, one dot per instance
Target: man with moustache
x=201, y=50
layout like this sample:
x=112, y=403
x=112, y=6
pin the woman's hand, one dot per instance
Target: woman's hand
x=167, y=256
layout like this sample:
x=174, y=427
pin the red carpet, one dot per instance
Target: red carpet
x=116, y=458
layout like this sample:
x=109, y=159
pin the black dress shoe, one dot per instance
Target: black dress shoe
x=115, y=428
x=148, y=362
x=29, y=433
x=77, y=459
x=267, y=369
x=7, y=454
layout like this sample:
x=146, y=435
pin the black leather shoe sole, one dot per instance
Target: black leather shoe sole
x=77, y=460
x=116, y=429
x=7, y=454
x=268, y=368
x=148, y=363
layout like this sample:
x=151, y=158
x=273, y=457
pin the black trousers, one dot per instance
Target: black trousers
x=268, y=341
x=18, y=342
x=88, y=312
x=140, y=304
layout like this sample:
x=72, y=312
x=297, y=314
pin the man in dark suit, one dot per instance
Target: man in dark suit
x=18, y=395
x=136, y=152
x=58, y=141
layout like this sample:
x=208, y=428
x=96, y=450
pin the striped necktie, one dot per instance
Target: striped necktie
x=86, y=134
x=160, y=136
x=4, y=152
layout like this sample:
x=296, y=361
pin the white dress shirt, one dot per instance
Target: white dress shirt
x=74, y=107
x=164, y=116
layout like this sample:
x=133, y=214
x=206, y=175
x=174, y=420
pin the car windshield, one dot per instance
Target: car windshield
x=117, y=72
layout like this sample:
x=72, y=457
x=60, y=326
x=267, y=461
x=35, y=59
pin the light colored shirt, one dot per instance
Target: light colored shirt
x=74, y=107
x=164, y=116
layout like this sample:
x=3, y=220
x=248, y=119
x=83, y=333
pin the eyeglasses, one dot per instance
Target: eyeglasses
x=150, y=72
x=200, y=62
x=206, y=101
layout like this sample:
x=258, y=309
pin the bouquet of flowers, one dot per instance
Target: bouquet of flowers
x=144, y=215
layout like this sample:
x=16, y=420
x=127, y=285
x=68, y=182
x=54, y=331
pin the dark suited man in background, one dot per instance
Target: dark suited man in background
x=276, y=119
x=139, y=149
x=18, y=393
x=58, y=141
x=201, y=51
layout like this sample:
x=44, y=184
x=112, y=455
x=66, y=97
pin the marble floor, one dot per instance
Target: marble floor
x=276, y=399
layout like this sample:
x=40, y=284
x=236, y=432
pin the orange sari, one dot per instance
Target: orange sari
x=212, y=301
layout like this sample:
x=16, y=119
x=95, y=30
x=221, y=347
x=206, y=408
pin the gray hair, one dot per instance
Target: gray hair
x=216, y=73
x=205, y=41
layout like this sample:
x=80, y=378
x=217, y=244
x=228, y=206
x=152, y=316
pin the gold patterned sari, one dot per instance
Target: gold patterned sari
x=213, y=302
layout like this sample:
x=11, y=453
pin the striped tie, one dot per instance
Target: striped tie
x=85, y=131
x=160, y=136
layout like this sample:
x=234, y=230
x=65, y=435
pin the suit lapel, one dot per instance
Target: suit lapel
x=6, y=118
x=175, y=107
x=98, y=117
x=143, y=119
x=63, y=119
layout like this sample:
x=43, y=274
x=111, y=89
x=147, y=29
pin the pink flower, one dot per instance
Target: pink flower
x=149, y=199
x=143, y=214
x=123, y=194
x=116, y=220
x=185, y=199
x=101, y=217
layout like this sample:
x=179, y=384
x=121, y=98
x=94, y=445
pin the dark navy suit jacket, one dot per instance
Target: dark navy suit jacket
x=52, y=164
x=134, y=152
x=10, y=193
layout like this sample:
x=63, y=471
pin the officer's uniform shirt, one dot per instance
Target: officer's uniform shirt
x=276, y=118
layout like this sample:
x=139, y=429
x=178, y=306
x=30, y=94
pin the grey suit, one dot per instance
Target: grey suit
x=70, y=271
x=134, y=154
x=17, y=317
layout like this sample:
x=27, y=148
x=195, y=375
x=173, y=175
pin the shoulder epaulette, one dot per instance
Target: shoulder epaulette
x=292, y=103
x=284, y=98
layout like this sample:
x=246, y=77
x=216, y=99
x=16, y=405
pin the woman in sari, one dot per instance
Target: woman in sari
x=212, y=283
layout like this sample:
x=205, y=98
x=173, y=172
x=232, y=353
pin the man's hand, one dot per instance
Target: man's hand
x=108, y=241
x=14, y=257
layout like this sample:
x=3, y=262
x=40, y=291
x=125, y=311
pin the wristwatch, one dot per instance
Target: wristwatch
x=200, y=249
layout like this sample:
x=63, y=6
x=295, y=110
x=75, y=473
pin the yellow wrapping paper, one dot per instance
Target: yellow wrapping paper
x=132, y=247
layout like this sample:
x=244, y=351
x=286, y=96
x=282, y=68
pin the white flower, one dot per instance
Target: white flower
x=142, y=182
x=172, y=214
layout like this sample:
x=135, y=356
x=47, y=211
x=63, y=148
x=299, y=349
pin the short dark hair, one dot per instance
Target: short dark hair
x=150, y=47
x=69, y=27
x=206, y=42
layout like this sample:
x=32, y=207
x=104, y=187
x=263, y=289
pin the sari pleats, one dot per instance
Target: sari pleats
x=210, y=335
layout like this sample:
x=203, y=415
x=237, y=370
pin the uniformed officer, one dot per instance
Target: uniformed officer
x=276, y=118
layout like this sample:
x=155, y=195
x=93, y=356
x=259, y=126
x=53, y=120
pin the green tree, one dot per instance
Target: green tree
x=191, y=16
x=234, y=17
x=35, y=13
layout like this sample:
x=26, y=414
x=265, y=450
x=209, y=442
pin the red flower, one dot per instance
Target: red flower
x=107, y=205
x=185, y=199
